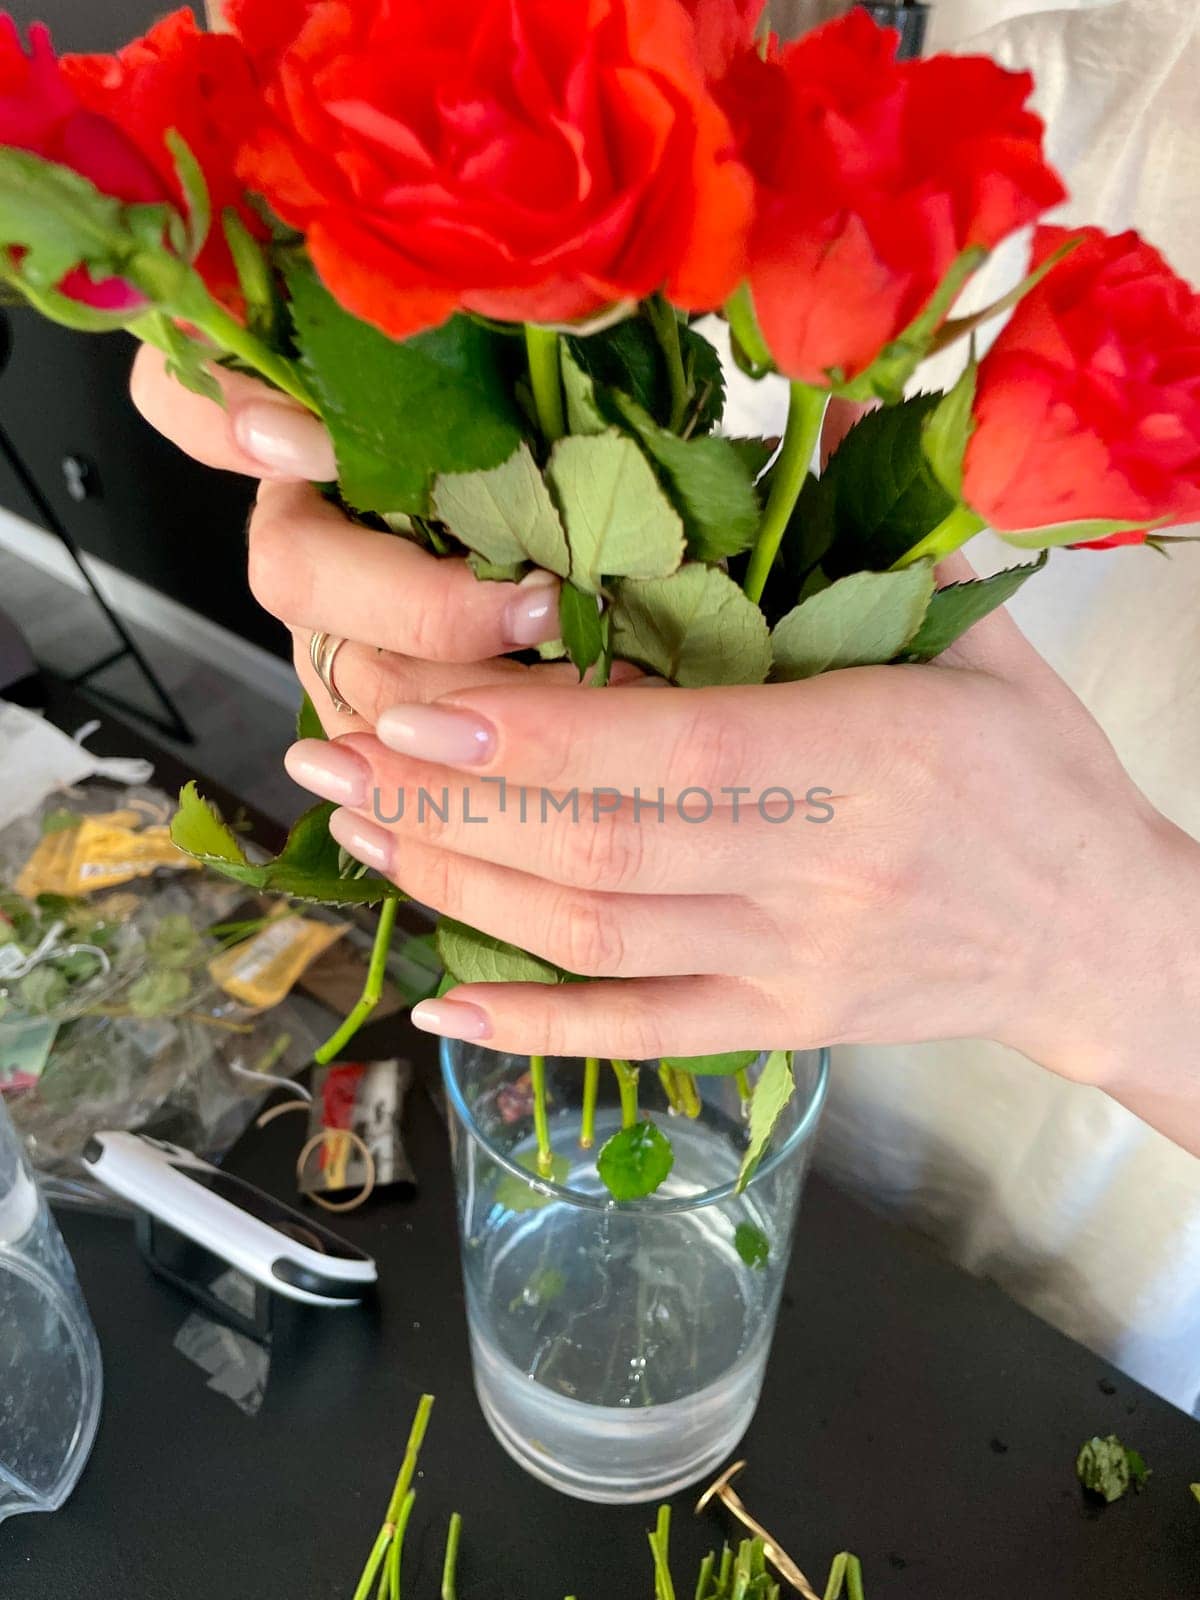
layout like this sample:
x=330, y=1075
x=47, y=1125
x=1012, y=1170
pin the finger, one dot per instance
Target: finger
x=760, y=741
x=314, y=569
x=600, y=840
x=594, y=935
x=258, y=431
x=638, y=1018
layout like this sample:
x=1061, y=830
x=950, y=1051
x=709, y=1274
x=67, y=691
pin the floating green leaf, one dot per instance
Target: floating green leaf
x=505, y=514
x=473, y=957
x=635, y=1161
x=515, y=1194
x=402, y=412
x=307, y=868
x=724, y=1065
x=771, y=1094
x=751, y=1244
x=694, y=628
x=1106, y=1468
x=582, y=626
x=619, y=523
x=859, y=621
x=959, y=606
x=707, y=480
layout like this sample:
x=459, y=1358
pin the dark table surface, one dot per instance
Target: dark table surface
x=911, y=1413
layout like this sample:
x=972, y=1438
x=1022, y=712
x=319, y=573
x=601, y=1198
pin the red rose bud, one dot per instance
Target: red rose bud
x=525, y=160
x=1087, y=407
x=200, y=85
x=874, y=176
x=41, y=113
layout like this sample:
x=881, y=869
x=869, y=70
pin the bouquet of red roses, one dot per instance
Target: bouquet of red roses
x=475, y=237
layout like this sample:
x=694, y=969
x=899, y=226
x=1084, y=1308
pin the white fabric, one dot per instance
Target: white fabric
x=36, y=758
x=1070, y=1202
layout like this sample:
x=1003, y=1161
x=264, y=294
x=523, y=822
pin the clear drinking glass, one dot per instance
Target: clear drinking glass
x=619, y=1349
x=50, y=1372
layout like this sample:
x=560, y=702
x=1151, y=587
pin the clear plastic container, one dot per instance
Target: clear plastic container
x=619, y=1349
x=50, y=1371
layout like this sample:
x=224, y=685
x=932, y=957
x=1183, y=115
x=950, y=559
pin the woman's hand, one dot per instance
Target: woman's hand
x=962, y=856
x=417, y=626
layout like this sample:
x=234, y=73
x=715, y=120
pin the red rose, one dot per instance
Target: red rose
x=41, y=113
x=1088, y=403
x=201, y=85
x=525, y=159
x=873, y=176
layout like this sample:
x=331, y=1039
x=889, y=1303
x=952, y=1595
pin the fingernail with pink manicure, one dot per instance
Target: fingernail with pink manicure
x=453, y=1019
x=532, y=615
x=437, y=733
x=285, y=441
x=366, y=841
x=332, y=771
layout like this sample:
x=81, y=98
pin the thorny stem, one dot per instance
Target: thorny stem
x=806, y=411
x=372, y=988
x=541, y=1122
x=545, y=379
x=591, y=1091
x=627, y=1082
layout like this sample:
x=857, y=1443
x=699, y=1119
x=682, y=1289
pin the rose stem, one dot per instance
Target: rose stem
x=541, y=1124
x=666, y=326
x=627, y=1081
x=403, y=1479
x=669, y=1081
x=951, y=532
x=372, y=988
x=743, y=1083
x=664, y=1588
x=591, y=1089
x=689, y=1095
x=389, y=1588
x=705, y=1578
x=449, y=1591
x=541, y=348
x=374, y=1562
x=806, y=410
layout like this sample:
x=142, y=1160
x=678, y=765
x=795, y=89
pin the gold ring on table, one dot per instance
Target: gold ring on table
x=322, y=652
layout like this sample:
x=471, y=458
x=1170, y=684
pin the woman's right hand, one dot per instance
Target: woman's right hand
x=417, y=626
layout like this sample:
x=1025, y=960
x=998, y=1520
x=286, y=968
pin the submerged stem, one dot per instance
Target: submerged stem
x=627, y=1083
x=591, y=1091
x=541, y=1122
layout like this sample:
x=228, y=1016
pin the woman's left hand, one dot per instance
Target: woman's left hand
x=878, y=854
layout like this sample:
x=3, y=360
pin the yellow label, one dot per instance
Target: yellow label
x=105, y=856
x=47, y=869
x=261, y=970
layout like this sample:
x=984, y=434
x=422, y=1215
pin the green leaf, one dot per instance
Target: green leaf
x=58, y=219
x=506, y=515
x=635, y=1161
x=473, y=957
x=187, y=361
x=627, y=357
x=772, y=1092
x=496, y=572
x=713, y=1066
x=958, y=607
x=708, y=483
x=859, y=621
x=173, y=942
x=195, y=192
x=751, y=1244
x=694, y=628
x=156, y=993
x=947, y=431
x=309, y=867
x=1052, y=537
x=514, y=1194
x=1106, y=1468
x=706, y=379
x=618, y=521
x=253, y=273
x=754, y=453
x=41, y=990
x=582, y=626
x=308, y=723
x=415, y=967
x=879, y=491
x=583, y=413
x=400, y=414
